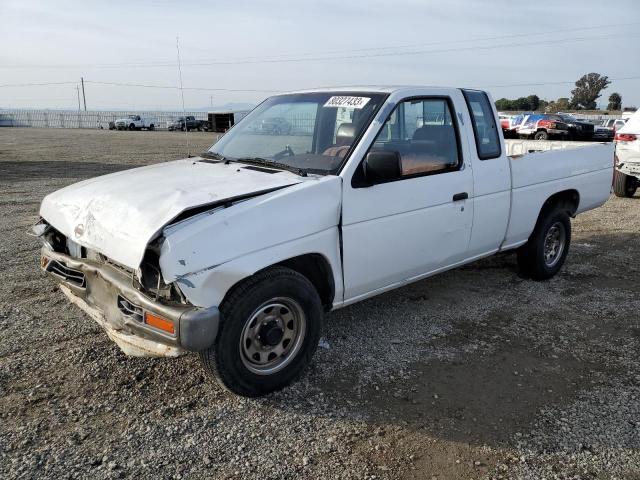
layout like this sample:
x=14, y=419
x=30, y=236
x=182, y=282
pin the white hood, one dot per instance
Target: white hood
x=119, y=214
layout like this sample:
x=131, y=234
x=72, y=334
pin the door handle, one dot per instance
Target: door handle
x=460, y=196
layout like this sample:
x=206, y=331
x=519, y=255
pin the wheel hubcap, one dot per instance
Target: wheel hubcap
x=554, y=244
x=272, y=336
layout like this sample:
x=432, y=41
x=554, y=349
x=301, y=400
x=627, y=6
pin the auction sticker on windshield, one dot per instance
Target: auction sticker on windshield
x=349, y=102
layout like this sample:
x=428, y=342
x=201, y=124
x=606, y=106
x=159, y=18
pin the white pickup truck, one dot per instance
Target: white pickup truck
x=135, y=122
x=237, y=253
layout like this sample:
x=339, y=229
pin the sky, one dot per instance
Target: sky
x=243, y=51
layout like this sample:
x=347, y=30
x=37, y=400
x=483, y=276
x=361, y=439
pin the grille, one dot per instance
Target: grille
x=130, y=309
x=71, y=275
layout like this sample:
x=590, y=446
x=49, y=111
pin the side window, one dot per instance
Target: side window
x=422, y=131
x=484, y=124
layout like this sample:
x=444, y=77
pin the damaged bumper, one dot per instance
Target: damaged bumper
x=140, y=325
x=630, y=168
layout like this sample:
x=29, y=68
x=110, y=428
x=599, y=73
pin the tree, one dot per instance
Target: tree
x=615, y=102
x=543, y=105
x=534, y=102
x=504, y=104
x=588, y=90
x=530, y=103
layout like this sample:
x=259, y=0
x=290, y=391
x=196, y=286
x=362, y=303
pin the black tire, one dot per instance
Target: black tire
x=533, y=256
x=541, y=135
x=624, y=185
x=152, y=127
x=226, y=359
x=132, y=127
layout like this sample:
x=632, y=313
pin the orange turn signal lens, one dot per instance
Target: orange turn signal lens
x=159, y=322
x=44, y=261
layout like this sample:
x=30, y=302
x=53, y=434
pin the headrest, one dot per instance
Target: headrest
x=346, y=131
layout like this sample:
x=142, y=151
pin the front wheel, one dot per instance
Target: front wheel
x=541, y=135
x=624, y=185
x=271, y=325
x=132, y=127
x=546, y=250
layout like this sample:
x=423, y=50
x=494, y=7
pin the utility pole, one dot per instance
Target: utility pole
x=184, y=111
x=84, y=98
x=211, y=101
x=78, y=92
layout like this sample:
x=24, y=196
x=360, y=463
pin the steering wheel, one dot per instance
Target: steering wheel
x=287, y=151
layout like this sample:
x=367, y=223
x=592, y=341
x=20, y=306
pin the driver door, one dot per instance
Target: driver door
x=400, y=230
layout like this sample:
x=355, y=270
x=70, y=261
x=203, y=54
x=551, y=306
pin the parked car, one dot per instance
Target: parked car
x=275, y=125
x=615, y=123
x=6, y=120
x=236, y=254
x=510, y=124
x=627, y=171
x=578, y=129
x=540, y=126
x=191, y=123
x=606, y=129
x=136, y=122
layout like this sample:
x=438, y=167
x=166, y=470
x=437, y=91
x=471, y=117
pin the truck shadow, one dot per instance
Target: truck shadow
x=473, y=355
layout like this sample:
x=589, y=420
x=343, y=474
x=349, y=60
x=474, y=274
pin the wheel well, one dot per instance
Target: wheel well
x=568, y=199
x=318, y=270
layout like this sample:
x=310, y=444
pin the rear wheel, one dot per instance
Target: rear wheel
x=541, y=135
x=152, y=127
x=132, y=127
x=624, y=185
x=271, y=325
x=546, y=250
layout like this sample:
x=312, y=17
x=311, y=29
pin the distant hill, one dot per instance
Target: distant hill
x=227, y=107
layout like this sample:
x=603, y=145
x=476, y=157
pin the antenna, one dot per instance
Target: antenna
x=184, y=112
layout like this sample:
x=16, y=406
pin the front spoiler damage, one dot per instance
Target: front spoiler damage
x=108, y=296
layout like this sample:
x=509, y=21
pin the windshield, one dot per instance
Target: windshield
x=307, y=131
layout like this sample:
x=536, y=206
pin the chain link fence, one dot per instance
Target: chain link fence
x=80, y=119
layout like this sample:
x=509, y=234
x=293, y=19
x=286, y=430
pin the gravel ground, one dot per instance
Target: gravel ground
x=476, y=373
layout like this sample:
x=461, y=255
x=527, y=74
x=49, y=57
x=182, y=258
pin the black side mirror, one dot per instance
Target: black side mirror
x=382, y=166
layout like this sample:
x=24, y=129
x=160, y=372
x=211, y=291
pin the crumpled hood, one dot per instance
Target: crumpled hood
x=120, y=213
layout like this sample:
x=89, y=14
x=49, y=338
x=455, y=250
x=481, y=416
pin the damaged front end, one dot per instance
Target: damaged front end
x=138, y=311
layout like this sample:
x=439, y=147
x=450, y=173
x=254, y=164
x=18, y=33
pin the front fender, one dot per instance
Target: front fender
x=208, y=287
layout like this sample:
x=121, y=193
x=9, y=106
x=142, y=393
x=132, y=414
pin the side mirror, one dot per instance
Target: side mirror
x=382, y=166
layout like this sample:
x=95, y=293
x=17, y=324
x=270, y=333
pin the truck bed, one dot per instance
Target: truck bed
x=541, y=169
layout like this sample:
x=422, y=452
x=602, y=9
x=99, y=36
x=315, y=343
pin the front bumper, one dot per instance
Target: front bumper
x=603, y=135
x=107, y=294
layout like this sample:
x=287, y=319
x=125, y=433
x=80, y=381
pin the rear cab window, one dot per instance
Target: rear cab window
x=484, y=124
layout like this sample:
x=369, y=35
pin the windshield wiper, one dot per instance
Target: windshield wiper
x=214, y=155
x=272, y=163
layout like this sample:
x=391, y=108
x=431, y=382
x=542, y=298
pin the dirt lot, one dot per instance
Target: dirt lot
x=476, y=373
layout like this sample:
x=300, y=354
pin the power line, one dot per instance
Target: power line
x=416, y=52
x=36, y=84
x=204, y=89
x=566, y=82
x=174, y=87
x=321, y=56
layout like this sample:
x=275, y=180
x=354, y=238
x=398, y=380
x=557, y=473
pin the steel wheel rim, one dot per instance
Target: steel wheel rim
x=272, y=336
x=554, y=243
